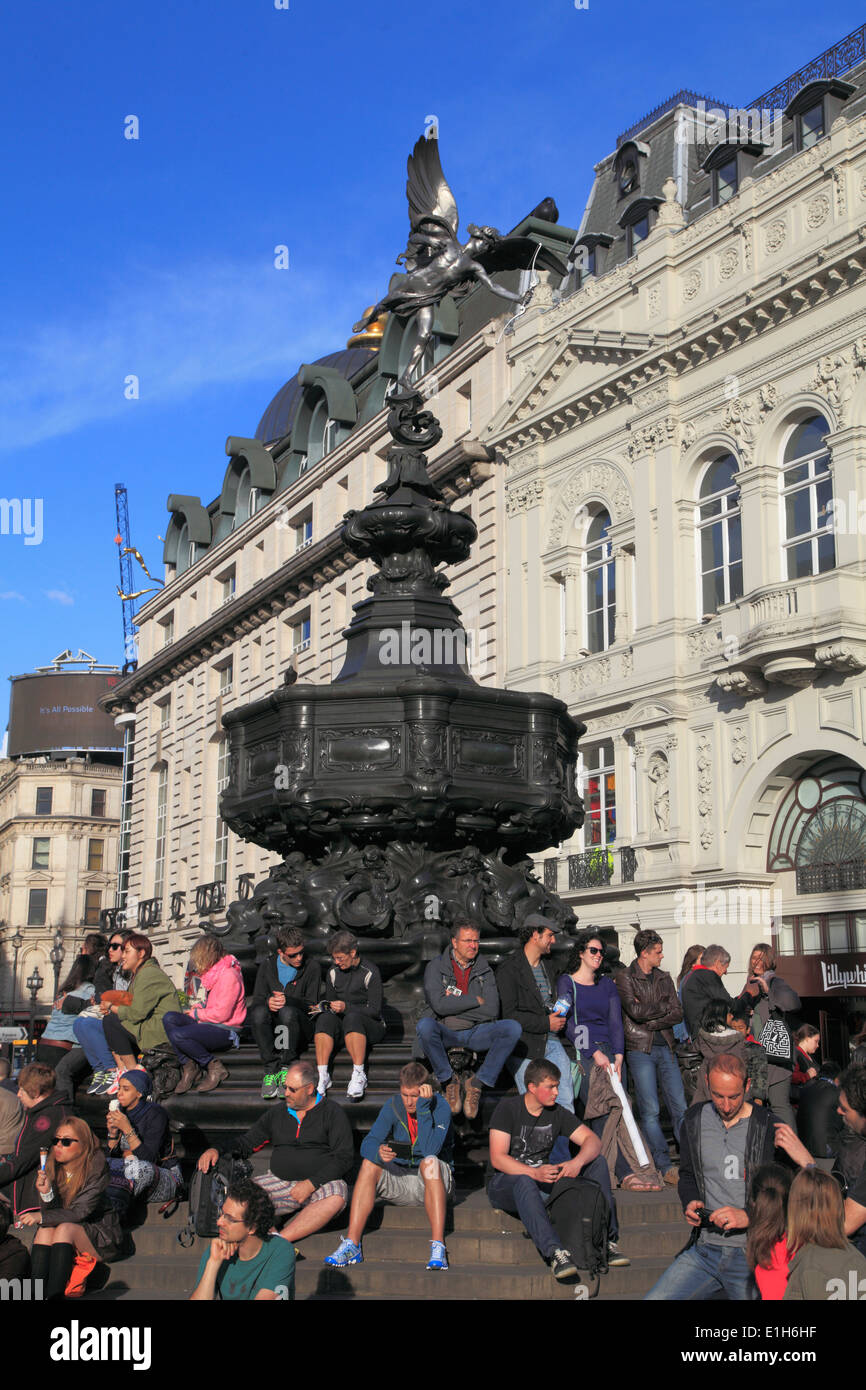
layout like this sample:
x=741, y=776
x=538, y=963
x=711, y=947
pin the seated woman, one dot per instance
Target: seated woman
x=138, y=1139
x=725, y=1029
x=78, y=1227
x=58, y=1039
x=352, y=1010
x=767, y=1241
x=210, y=1027
x=824, y=1264
x=133, y=1028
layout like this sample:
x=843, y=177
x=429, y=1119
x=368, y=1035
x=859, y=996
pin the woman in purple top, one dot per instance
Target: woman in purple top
x=594, y=1008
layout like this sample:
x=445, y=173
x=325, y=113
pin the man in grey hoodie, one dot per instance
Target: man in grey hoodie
x=463, y=1011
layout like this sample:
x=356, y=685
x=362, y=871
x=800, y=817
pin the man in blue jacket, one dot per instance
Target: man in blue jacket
x=463, y=1011
x=407, y=1161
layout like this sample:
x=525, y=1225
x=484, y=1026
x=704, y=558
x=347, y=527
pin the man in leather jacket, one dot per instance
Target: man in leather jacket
x=650, y=1009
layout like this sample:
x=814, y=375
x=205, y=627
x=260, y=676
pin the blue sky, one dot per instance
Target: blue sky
x=260, y=127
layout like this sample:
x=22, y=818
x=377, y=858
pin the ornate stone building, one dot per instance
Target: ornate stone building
x=685, y=477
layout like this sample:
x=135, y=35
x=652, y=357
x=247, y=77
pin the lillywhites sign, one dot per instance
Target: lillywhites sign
x=836, y=978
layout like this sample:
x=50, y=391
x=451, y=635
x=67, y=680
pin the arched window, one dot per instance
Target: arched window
x=721, y=541
x=807, y=486
x=600, y=585
x=248, y=499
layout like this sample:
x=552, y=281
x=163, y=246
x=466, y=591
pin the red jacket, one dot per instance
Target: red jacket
x=224, y=988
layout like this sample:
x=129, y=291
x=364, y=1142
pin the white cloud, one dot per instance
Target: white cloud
x=13, y=594
x=176, y=331
x=59, y=596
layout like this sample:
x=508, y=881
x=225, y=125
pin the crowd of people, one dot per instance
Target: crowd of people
x=775, y=1202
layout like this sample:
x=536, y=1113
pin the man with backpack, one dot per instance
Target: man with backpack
x=406, y=1161
x=557, y=1202
x=312, y=1153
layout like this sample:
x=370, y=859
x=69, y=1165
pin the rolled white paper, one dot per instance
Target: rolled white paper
x=643, y=1157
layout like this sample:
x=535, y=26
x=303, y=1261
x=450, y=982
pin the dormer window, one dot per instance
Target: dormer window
x=814, y=109
x=587, y=256
x=811, y=124
x=727, y=166
x=627, y=168
x=638, y=221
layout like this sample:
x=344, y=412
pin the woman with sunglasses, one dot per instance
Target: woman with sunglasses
x=208, y=1027
x=594, y=1018
x=88, y=1030
x=78, y=1227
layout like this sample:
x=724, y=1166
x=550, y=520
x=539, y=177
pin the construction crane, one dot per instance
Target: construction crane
x=124, y=549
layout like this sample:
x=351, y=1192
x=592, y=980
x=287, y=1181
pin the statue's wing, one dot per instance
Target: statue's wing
x=519, y=253
x=428, y=193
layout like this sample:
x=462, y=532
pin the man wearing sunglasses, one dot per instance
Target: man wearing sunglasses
x=287, y=987
x=311, y=1155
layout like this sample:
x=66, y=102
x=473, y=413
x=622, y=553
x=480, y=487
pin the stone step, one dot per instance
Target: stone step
x=166, y=1277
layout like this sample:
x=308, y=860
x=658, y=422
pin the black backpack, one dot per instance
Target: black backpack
x=163, y=1068
x=580, y=1214
x=207, y=1192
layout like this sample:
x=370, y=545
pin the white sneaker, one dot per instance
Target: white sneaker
x=358, y=1084
x=324, y=1083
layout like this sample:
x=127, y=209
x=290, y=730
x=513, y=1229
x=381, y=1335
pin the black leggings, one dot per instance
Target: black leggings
x=121, y=1042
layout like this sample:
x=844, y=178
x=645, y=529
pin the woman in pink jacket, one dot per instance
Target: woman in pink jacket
x=209, y=1027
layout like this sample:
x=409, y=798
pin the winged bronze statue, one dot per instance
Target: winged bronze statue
x=436, y=264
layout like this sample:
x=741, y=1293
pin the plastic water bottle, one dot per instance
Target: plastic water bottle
x=562, y=1006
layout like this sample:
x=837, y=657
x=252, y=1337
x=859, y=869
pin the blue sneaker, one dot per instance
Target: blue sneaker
x=346, y=1253
x=438, y=1256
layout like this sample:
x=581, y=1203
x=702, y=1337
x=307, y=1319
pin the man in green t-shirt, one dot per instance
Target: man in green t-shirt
x=244, y=1261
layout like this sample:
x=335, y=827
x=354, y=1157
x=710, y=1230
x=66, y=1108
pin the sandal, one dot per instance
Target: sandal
x=635, y=1183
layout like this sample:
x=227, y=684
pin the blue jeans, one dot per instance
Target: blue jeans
x=196, y=1041
x=555, y=1053
x=654, y=1071
x=704, y=1270
x=528, y=1199
x=91, y=1035
x=497, y=1039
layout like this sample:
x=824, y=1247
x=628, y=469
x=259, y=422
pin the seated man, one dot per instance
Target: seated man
x=313, y=1152
x=527, y=988
x=244, y=1262
x=723, y=1142
x=463, y=1011
x=287, y=986
x=406, y=1161
x=520, y=1177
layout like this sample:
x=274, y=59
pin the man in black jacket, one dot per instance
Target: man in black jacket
x=312, y=1154
x=287, y=987
x=723, y=1141
x=44, y=1109
x=527, y=992
x=819, y=1123
x=703, y=984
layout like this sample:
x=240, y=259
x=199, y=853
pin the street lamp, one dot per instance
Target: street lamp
x=55, y=955
x=34, y=984
x=17, y=943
